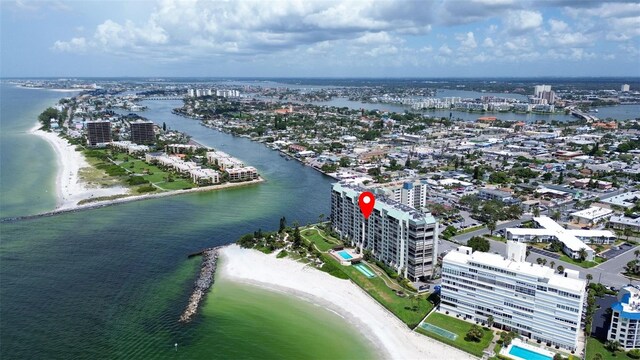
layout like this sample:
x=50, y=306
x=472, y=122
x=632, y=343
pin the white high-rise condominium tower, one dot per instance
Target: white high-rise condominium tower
x=398, y=235
x=530, y=299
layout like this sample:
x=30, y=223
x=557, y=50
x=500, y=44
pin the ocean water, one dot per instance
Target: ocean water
x=27, y=162
x=112, y=282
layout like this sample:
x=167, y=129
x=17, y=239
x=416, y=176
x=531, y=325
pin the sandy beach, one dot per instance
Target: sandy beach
x=69, y=187
x=391, y=337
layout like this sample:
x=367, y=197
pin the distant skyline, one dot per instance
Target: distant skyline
x=269, y=38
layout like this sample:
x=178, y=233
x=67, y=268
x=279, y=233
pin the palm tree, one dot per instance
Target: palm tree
x=552, y=264
x=536, y=211
x=491, y=225
x=612, y=346
x=589, y=278
x=490, y=321
x=582, y=253
x=539, y=261
x=627, y=232
x=544, y=262
x=636, y=253
x=560, y=269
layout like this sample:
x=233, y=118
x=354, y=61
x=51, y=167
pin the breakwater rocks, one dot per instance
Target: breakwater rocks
x=202, y=284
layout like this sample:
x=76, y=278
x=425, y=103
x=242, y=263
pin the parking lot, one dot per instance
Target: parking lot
x=545, y=253
x=601, y=319
x=622, y=248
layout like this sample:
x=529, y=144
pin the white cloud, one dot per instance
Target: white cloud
x=467, y=41
x=558, y=25
x=78, y=44
x=445, y=50
x=488, y=42
x=520, y=21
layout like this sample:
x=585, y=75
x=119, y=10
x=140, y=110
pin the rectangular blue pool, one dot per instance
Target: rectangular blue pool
x=345, y=255
x=527, y=354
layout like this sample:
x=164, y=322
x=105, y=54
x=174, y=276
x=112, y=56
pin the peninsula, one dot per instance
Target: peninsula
x=105, y=158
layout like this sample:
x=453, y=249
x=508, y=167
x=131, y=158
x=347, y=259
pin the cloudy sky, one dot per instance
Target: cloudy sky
x=371, y=38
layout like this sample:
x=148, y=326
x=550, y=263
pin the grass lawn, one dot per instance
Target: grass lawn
x=324, y=243
x=495, y=237
x=468, y=230
x=584, y=264
x=460, y=328
x=409, y=309
x=595, y=346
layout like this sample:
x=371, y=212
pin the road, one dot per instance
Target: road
x=509, y=224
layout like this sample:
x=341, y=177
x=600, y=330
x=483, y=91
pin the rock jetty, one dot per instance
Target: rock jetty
x=202, y=284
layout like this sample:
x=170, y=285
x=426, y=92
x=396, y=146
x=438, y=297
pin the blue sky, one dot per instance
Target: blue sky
x=372, y=38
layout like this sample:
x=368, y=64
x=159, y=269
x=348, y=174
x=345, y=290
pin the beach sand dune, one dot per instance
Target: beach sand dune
x=391, y=337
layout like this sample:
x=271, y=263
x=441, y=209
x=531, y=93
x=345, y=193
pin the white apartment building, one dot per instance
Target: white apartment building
x=414, y=194
x=572, y=240
x=223, y=160
x=527, y=298
x=591, y=216
x=396, y=234
x=625, y=319
x=242, y=173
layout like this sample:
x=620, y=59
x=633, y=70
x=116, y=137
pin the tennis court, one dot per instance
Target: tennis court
x=439, y=331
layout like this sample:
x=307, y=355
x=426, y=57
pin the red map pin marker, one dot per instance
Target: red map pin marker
x=366, y=201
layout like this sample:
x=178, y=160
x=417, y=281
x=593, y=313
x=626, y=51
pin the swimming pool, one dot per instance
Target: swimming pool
x=527, y=354
x=345, y=255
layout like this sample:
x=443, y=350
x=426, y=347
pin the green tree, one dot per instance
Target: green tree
x=552, y=264
x=636, y=253
x=560, y=269
x=597, y=356
x=490, y=320
x=547, y=176
x=536, y=211
x=589, y=278
x=557, y=357
x=345, y=161
x=560, y=179
x=498, y=177
x=476, y=173
x=612, y=345
x=46, y=116
x=582, y=253
x=478, y=243
x=297, y=238
x=374, y=171
x=491, y=225
x=283, y=224
x=164, y=126
x=475, y=333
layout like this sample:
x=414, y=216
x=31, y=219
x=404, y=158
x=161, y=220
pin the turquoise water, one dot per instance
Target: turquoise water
x=345, y=255
x=112, y=282
x=27, y=163
x=365, y=270
x=527, y=354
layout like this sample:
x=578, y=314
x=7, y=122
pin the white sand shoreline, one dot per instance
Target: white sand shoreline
x=70, y=189
x=391, y=338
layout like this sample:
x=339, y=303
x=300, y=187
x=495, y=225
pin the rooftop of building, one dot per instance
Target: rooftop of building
x=629, y=303
x=570, y=238
x=543, y=273
x=393, y=207
x=593, y=212
x=625, y=200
